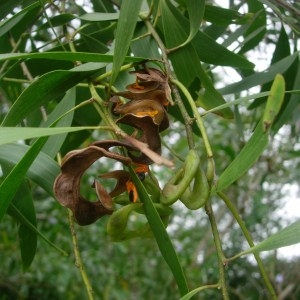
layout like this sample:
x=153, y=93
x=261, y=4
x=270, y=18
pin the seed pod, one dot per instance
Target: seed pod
x=117, y=224
x=199, y=195
x=67, y=184
x=181, y=180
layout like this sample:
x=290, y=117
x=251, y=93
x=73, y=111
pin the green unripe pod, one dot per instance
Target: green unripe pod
x=181, y=180
x=198, y=196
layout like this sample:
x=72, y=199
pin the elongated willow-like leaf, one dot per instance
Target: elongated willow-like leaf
x=162, y=238
x=186, y=61
x=15, y=19
x=260, y=77
x=129, y=13
x=23, y=202
x=46, y=88
x=223, y=16
x=207, y=49
x=54, y=143
x=13, y=134
x=68, y=56
x=13, y=180
x=259, y=21
x=98, y=16
x=274, y=101
x=285, y=237
x=43, y=171
x=195, y=9
x=245, y=159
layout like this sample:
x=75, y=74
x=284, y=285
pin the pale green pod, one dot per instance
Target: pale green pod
x=117, y=223
x=274, y=101
x=181, y=180
x=199, y=195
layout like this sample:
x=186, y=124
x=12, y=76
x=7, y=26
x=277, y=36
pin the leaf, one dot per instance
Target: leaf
x=129, y=13
x=27, y=238
x=43, y=170
x=223, y=16
x=13, y=180
x=54, y=143
x=195, y=10
x=245, y=159
x=13, y=134
x=46, y=88
x=207, y=49
x=194, y=292
x=260, y=78
x=8, y=24
x=290, y=235
x=258, y=21
x=186, y=62
x=68, y=56
x=162, y=238
x=274, y=101
x=97, y=17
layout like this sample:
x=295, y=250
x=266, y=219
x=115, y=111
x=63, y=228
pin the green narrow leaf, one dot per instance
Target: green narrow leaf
x=43, y=171
x=13, y=180
x=285, y=237
x=162, y=238
x=223, y=16
x=245, y=159
x=13, y=134
x=129, y=13
x=186, y=61
x=195, y=10
x=260, y=78
x=54, y=143
x=24, y=202
x=274, y=101
x=207, y=49
x=8, y=24
x=68, y=56
x=46, y=88
x=97, y=16
x=258, y=21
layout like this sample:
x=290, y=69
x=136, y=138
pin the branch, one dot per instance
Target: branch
x=249, y=239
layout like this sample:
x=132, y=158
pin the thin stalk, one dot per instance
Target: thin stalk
x=178, y=101
x=78, y=261
x=249, y=239
x=199, y=289
x=107, y=74
x=242, y=100
x=218, y=244
x=197, y=116
x=172, y=151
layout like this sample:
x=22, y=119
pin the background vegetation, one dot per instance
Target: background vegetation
x=255, y=41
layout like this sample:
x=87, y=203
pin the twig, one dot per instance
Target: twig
x=249, y=239
x=186, y=117
x=221, y=257
x=78, y=261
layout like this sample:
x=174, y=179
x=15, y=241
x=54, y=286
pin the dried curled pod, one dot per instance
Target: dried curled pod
x=150, y=117
x=67, y=184
x=150, y=84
